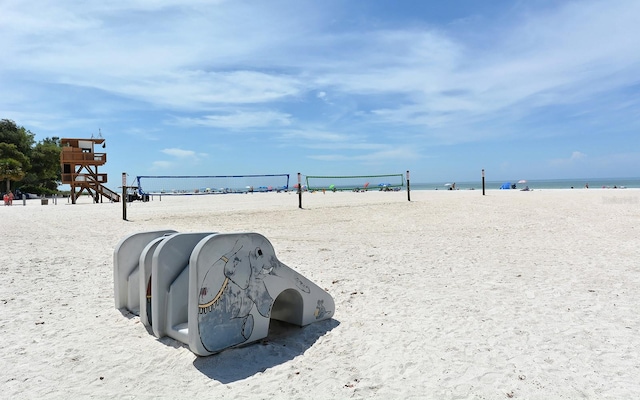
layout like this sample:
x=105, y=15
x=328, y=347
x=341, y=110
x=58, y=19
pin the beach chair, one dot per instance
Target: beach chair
x=126, y=259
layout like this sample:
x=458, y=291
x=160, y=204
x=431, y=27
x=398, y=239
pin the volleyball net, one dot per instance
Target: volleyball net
x=185, y=185
x=355, y=183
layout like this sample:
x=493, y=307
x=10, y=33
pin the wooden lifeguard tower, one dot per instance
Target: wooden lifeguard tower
x=80, y=164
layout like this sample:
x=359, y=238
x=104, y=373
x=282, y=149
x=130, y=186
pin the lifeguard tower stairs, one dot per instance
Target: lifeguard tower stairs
x=79, y=163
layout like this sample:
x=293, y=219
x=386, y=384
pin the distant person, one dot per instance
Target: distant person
x=10, y=195
x=586, y=186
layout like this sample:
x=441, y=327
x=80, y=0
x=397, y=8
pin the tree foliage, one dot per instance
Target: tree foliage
x=13, y=164
x=45, y=165
x=13, y=134
x=35, y=167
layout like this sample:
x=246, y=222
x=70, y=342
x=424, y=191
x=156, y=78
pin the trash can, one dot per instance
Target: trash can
x=44, y=202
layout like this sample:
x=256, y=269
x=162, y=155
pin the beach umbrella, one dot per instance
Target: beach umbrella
x=522, y=181
x=332, y=186
x=447, y=184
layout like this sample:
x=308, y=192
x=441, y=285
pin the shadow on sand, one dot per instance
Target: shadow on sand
x=284, y=343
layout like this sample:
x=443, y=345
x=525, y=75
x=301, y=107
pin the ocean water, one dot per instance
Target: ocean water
x=240, y=184
x=535, y=184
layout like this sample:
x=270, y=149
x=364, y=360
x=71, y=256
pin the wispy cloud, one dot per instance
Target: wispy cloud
x=237, y=120
x=379, y=156
x=432, y=78
x=161, y=165
x=575, y=157
x=180, y=153
x=181, y=158
x=313, y=135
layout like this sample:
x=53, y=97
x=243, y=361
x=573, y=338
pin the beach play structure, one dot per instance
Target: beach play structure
x=212, y=291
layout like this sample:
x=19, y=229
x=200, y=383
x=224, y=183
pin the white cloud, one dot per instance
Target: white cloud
x=569, y=56
x=146, y=133
x=382, y=155
x=576, y=155
x=538, y=59
x=312, y=135
x=238, y=120
x=574, y=158
x=180, y=153
x=329, y=157
x=161, y=165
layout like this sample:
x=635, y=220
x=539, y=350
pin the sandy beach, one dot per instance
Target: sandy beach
x=454, y=295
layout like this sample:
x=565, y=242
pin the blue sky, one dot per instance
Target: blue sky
x=534, y=89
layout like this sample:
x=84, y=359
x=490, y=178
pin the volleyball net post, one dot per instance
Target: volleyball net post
x=483, y=181
x=299, y=190
x=408, y=188
x=124, y=196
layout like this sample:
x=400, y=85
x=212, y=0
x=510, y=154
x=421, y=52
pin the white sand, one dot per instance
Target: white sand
x=530, y=295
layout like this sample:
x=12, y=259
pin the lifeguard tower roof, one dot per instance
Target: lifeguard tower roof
x=71, y=142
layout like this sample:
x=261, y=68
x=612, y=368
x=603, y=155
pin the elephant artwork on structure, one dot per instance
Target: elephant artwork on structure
x=212, y=291
x=233, y=297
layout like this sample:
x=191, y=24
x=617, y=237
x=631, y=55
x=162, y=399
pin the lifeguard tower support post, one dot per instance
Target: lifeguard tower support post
x=79, y=165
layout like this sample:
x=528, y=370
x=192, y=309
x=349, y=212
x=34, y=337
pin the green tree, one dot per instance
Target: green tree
x=35, y=165
x=45, y=166
x=13, y=134
x=13, y=164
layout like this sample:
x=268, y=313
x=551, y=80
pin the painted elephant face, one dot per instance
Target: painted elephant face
x=263, y=261
x=258, y=260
